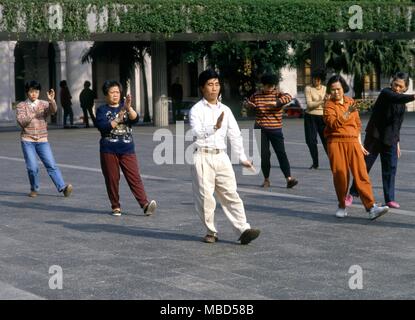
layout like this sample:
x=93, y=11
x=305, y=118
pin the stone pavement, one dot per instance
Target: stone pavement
x=303, y=252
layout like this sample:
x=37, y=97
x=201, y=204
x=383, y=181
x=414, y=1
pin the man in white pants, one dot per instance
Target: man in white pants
x=212, y=171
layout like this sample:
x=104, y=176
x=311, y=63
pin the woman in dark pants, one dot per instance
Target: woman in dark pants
x=382, y=135
x=313, y=117
x=268, y=105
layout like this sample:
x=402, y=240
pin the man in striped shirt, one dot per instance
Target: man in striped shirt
x=31, y=116
x=268, y=105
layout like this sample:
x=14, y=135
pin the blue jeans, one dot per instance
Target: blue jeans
x=43, y=150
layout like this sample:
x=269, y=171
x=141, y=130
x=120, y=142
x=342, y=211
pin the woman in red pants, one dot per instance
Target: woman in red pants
x=114, y=121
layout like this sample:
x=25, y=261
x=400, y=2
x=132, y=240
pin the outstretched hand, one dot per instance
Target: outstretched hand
x=285, y=98
x=249, y=104
x=365, y=152
x=352, y=107
x=51, y=95
x=248, y=164
x=128, y=100
x=220, y=119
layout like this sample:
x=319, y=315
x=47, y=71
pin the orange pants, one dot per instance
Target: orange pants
x=345, y=157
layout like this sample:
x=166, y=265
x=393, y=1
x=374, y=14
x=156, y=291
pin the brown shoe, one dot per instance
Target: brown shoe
x=210, y=239
x=32, y=194
x=68, y=190
x=291, y=183
x=266, y=184
x=248, y=235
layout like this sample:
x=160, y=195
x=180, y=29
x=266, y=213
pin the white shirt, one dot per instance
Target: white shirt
x=203, y=117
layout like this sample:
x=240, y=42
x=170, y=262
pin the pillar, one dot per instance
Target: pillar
x=159, y=81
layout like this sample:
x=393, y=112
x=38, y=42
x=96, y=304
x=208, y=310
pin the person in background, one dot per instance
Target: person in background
x=86, y=98
x=176, y=93
x=268, y=105
x=313, y=116
x=345, y=150
x=31, y=116
x=383, y=135
x=66, y=103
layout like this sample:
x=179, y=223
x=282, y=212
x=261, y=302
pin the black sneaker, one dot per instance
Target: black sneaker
x=291, y=183
x=248, y=235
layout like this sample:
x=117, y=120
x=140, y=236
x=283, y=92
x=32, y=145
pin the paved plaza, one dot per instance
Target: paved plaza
x=303, y=252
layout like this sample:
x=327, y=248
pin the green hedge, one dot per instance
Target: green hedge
x=167, y=17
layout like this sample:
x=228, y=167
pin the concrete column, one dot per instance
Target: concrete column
x=77, y=73
x=159, y=80
x=7, y=87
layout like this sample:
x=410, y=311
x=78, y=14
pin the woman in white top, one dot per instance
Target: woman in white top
x=313, y=117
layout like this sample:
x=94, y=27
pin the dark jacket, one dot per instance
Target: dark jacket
x=86, y=98
x=387, y=116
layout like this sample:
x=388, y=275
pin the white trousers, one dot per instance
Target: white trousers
x=213, y=173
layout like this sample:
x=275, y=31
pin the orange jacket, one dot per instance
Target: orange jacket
x=337, y=127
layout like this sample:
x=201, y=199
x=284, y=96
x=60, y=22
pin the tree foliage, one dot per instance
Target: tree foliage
x=167, y=17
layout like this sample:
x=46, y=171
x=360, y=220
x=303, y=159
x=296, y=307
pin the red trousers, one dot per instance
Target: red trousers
x=110, y=166
x=345, y=157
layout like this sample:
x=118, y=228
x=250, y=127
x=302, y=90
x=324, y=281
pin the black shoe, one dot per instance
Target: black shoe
x=291, y=183
x=313, y=167
x=248, y=235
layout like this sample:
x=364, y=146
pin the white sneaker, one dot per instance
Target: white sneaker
x=376, y=212
x=150, y=208
x=341, y=213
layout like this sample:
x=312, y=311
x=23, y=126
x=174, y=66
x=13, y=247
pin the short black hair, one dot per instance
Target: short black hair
x=109, y=84
x=338, y=78
x=401, y=76
x=32, y=84
x=87, y=84
x=206, y=75
x=319, y=74
x=269, y=78
x=63, y=83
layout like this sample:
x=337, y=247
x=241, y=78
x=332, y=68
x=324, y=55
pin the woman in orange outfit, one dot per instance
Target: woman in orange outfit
x=345, y=149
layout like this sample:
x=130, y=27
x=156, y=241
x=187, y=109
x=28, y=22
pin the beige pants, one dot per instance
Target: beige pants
x=213, y=173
